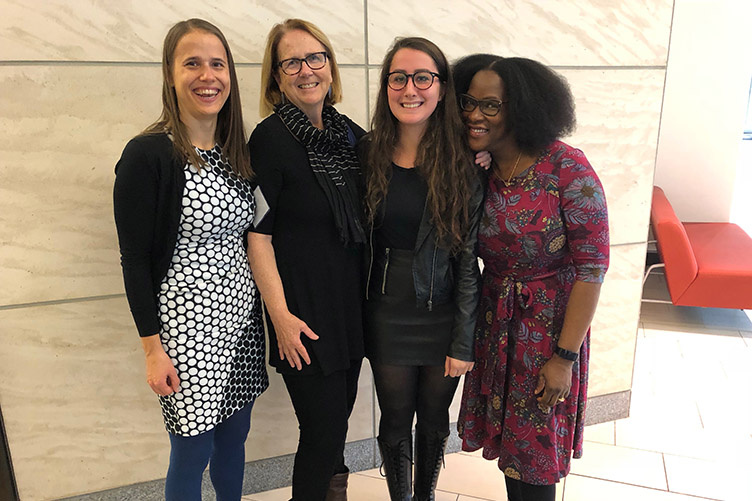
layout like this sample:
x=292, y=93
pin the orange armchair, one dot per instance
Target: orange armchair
x=706, y=264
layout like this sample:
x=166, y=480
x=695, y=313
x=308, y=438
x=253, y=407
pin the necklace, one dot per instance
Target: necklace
x=514, y=168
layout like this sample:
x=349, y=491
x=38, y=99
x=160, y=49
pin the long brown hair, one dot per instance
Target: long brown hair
x=271, y=95
x=230, y=133
x=443, y=159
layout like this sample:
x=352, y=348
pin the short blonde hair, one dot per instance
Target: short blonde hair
x=271, y=95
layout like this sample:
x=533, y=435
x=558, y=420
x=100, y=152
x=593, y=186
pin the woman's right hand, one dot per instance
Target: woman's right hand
x=288, y=328
x=160, y=371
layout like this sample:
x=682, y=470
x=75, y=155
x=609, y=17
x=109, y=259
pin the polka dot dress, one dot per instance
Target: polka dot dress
x=209, y=306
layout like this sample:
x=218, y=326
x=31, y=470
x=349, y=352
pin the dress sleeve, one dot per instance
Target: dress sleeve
x=583, y=205
x=268, y=175
x=135, y=202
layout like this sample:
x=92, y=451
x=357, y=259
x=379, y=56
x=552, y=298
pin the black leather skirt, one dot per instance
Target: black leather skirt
x=398, y=331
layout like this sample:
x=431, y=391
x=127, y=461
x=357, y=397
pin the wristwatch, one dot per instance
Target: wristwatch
x=572, y=356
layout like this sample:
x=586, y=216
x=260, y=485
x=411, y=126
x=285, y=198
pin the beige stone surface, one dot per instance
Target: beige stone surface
x=569, y=32
x=78, y=413
x=88, y=30
x=614, y=328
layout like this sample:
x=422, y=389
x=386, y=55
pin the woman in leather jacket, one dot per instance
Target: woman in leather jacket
x=423, y=199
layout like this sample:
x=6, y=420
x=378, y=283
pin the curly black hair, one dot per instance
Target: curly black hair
x=540, y=107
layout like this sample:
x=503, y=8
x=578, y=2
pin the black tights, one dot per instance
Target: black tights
x=520, y=491
x=406, y=390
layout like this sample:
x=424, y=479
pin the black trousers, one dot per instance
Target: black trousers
x=322, y=405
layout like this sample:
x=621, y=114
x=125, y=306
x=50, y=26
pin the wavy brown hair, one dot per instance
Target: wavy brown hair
x=230, y=133
x=443, y=159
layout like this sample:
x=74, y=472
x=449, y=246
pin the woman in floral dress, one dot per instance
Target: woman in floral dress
x=544, y=242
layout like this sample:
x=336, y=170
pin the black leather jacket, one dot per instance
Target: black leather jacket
x=440, y=277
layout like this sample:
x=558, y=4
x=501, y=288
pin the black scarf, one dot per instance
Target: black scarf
x=334, y=163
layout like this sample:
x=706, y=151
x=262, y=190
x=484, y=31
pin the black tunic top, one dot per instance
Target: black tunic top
x=399, y=217
x=321, y=278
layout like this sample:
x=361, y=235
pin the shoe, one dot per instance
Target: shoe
x=337, y=487
x=429, y=456
x=397, y=461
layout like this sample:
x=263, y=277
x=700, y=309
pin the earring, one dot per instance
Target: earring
x=329, y=92
x=284, y=98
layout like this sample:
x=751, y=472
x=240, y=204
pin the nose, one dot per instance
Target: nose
x=305, y=69
x=207, y=73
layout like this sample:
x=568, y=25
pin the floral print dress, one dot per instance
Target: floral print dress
x=540, y=233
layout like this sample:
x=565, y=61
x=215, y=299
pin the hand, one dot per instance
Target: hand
x=554, y=380
x=456, y=368
x=161, y=374
x=288, y=328
x=483, y=159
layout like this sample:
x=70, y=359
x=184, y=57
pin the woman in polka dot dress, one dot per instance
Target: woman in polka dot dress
x=183, y=201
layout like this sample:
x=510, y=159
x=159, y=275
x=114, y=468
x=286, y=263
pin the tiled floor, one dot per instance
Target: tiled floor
x=689, y=436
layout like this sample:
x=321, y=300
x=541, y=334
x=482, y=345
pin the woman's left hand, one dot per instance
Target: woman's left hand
x=456, y=368
x=554, y=380
x=483, y=159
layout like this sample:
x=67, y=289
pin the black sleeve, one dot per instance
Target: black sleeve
x=264, y=149
x=135, y=202
x=468, y=284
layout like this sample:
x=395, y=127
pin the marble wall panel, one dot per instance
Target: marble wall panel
x=56, y=169
x=89, y=30
x=614, y=328
x=570, y=32
x=618, y=114
x=65, y=127
x=79, y=415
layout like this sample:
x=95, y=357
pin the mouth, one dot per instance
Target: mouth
x=308, y=85
x=476, y=131
x=206, y=93
x=411, y=106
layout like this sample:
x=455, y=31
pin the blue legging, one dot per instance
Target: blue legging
x=223, y=448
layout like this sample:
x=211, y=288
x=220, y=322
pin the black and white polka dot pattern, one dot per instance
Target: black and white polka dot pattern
x=209, y=305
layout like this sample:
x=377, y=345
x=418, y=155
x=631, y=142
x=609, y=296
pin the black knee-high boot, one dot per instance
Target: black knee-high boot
x=397, y=460
x=429, y=455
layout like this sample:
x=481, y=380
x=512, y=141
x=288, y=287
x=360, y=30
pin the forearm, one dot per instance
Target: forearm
x=265, y=273
x=579, y=314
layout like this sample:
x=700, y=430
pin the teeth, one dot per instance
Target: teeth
x=207, y=92
x=410, y=105
x=478, y=131
x=308, y=86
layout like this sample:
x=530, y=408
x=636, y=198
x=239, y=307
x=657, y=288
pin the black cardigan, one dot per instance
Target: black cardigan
x=147, y=197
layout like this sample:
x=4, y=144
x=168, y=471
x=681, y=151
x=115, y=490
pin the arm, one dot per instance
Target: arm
x=287, y=326
x=555, y=377
x=135, y=204
x=467, y=293
x=583, y=209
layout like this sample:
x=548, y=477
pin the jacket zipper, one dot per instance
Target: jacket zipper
x=433, y=273
x=386, y=267
x=370, y=264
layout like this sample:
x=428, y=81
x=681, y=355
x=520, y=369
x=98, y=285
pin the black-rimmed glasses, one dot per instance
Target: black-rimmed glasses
x=293, y=65
x=489, y=107
x=397, y=80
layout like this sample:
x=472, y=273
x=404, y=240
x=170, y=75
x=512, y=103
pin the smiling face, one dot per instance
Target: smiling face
x=410, y=106
x=307, y=90
x=200, y=76
x=484, y=132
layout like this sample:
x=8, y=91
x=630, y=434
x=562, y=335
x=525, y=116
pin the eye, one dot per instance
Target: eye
x=218, y=64
x=191, y=63
x=422, y=78
x=316, y=58
x=398, y=78
x=492, y=106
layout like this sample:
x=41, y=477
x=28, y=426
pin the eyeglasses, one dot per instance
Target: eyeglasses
x=293, y=65
x=489, y=107
x=397, y=80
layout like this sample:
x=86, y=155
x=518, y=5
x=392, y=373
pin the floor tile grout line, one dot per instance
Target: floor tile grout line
x=642, y=486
